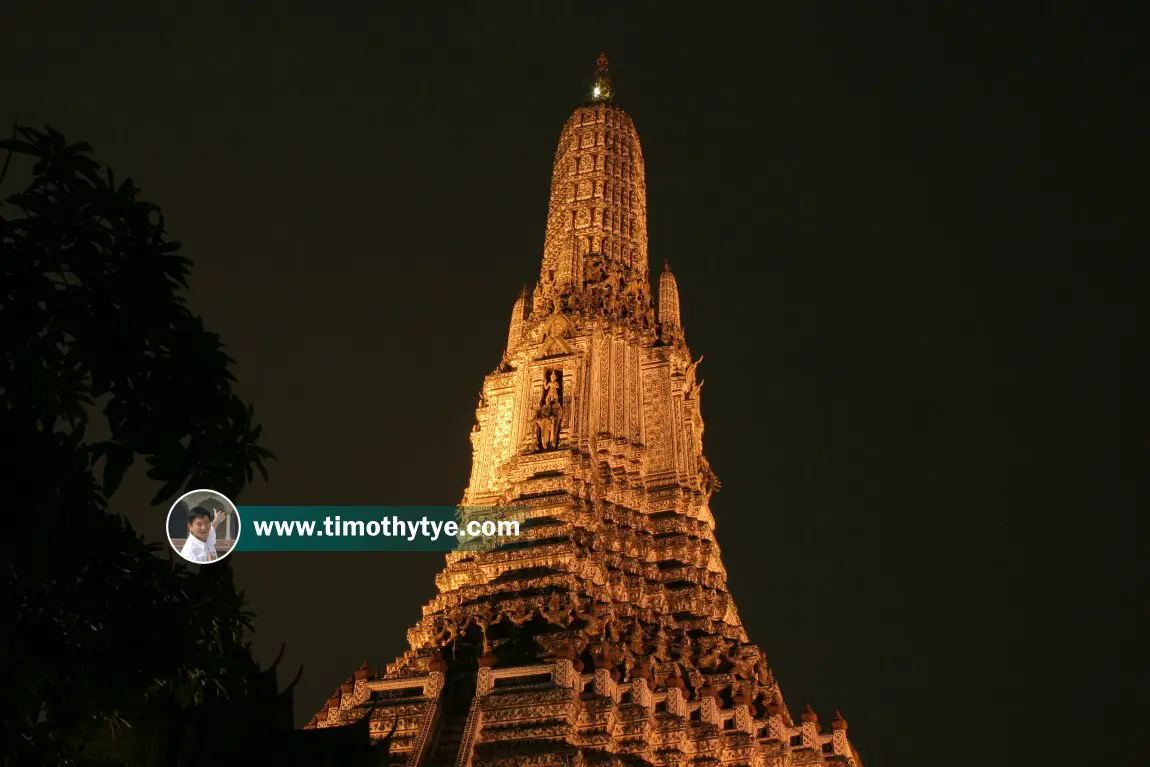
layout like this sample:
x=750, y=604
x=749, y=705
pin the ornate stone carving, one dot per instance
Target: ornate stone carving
x=594, y=270
x=551, y=390
x=603, y=683
x=591, y=429
x=546, y=425
x=485, y=681
x=555, y=331
x=690, y=385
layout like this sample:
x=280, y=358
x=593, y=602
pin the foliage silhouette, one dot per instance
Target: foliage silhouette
x=111, y=652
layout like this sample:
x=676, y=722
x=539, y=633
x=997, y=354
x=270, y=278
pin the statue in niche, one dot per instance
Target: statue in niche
x=551, y=390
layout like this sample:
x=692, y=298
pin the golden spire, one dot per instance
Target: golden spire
x=669, y=300
x=598, y=196
x=602, y=90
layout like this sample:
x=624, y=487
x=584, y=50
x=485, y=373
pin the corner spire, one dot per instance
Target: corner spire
x=518, y=315
x=669, y=302
x=602, y=90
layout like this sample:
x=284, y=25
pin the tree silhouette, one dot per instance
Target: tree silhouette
x=109, y=651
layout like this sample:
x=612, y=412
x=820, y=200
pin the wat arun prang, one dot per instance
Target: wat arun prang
x=604, y=633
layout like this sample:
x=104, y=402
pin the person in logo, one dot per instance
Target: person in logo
x=201, y=544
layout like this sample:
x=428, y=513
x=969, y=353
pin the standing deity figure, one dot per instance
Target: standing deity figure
x=551, y=388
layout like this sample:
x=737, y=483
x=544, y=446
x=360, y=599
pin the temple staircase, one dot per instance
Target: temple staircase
x=453, y=721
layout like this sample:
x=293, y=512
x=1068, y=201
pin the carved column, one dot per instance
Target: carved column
x=743, y=720
x=676, y=703
x=641, y=694
x=564, y=673
x=435, y=682
x=709, y=710
x=776, y=728
x=604, y=685
x=485, y=681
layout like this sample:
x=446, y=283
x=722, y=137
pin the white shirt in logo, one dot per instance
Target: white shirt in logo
x=196, y=550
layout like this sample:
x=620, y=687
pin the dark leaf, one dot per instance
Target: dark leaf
x=118, y=459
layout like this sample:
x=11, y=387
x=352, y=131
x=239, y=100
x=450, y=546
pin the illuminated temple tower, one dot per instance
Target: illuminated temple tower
x=604, y=633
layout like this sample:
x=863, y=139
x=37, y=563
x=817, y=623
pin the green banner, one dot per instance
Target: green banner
x=375, y=528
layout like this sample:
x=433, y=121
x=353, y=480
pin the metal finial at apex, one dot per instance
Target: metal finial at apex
x=602, y=90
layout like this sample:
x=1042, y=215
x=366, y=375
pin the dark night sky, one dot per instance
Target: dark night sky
x=906, y=243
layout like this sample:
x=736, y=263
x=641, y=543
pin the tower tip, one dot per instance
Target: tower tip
x=602, y=90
